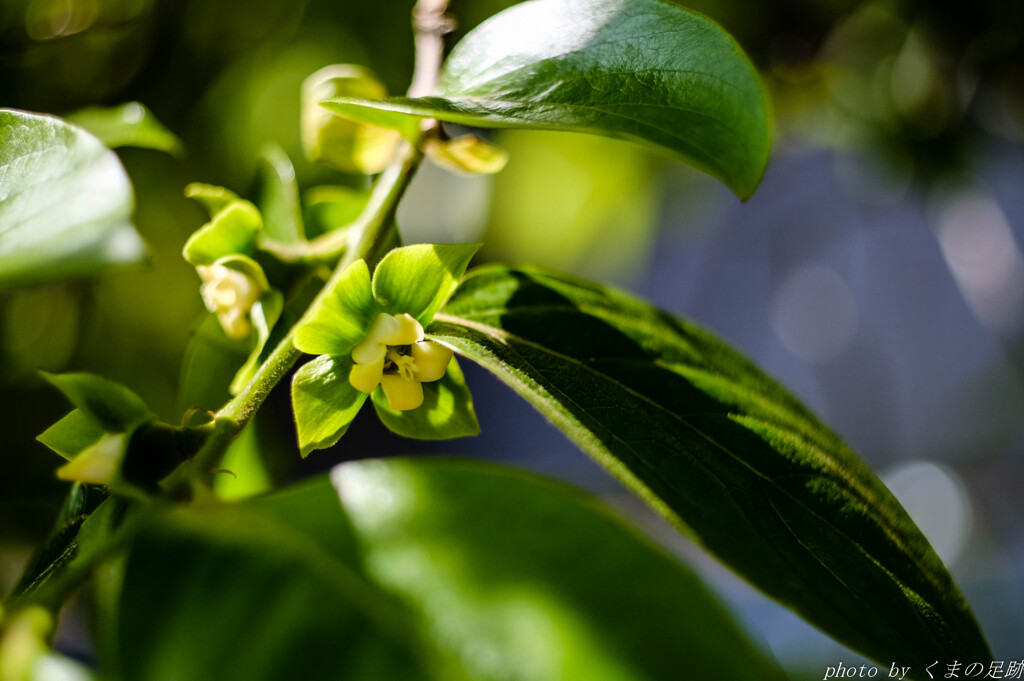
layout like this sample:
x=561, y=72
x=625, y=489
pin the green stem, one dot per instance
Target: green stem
x=374, y=226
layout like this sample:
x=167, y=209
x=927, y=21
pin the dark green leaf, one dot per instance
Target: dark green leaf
x=280, y=199
x=446, y=412
x=65, y=202
x=128, y=125
x=416, y=280
x=324, y=402
x=640, y=69
x=71, y=434
x=342, y=315
x=230, y=594
x=723, y=452
x=109, y=405
x=542, y=578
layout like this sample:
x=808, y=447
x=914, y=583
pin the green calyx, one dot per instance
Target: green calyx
x=368, y=333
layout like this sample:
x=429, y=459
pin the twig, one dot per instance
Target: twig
x=430, y=25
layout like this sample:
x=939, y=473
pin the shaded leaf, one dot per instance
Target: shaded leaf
x=229, y=608
x=723, y=452
x=65, y=202
x=109, y=405
x=542, y=577
x=640, y=69
x=71, y=434
x=127, y=125
x=280, y=196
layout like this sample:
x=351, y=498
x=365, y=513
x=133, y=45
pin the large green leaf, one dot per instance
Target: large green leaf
x=65, y=202
x=721, y=451
x=522, y=578
x=639, y=69
x=229, y=593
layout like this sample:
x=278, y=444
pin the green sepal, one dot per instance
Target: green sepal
x=324, y=402
x=341, y=316
x=279, y=199
x=446, y=413
x=417, y=280
x=264, y=314
x=127, y=125
x=331, y=207
x=71, y=434
x=213, y=198
x=233, y=230
x=109, y=405
x=248, y=267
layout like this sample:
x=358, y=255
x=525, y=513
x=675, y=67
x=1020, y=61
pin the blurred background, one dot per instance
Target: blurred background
x=877, y=273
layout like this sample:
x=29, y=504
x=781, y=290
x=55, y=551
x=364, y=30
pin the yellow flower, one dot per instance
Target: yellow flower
x=395, y=356
x=230, y=295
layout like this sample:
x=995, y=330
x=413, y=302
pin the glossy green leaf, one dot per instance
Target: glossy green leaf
x=232, y=231
x=71, y=434
x=127, y=125
x=280, y=196
x=109, y=405
x=213, y=198
x=520, y=577
x=416, y=280
x=65, y=202
x=240, y=596
x=446, y=413
x=721, y=451
x=324, y=402
x=342, y=315
x=639, y=69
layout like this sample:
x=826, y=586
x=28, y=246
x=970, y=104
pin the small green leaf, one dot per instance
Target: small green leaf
x=127, y=125
x=71, y=434
x=643, y=70
x=340, y=318
x=109, y=405
x=65, y=202
x=279, y=202
x=722, y=452
x=416, y=280
x=324, y=402
x=540, y=576
x=264, y=314
x=446, y=412
x=213, y=198
x=232, y=231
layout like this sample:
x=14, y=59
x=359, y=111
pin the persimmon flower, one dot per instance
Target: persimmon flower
x=395, y=356
x=230, y=295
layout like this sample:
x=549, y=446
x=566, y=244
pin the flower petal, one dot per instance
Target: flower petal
x=431, y=360
x=402, y=394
